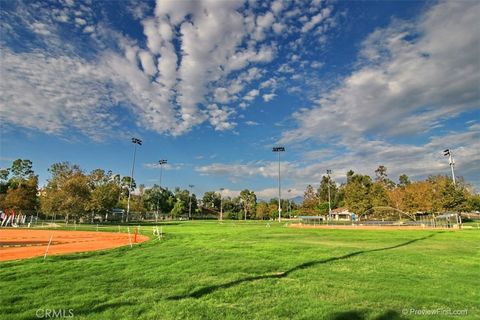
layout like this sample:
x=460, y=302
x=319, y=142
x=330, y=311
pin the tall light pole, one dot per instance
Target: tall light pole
x=221, y=204
x=161, y=163
x=451, y=161
x=135, y=142
x=289, y=198
x=328, y=186
x=279, y=150
x=190, y=206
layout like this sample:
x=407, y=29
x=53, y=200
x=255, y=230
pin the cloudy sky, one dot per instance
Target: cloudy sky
x=212, y=85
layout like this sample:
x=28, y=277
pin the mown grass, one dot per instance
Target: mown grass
x=237, y=270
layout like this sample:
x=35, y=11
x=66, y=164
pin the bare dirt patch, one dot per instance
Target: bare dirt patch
x=22, y=243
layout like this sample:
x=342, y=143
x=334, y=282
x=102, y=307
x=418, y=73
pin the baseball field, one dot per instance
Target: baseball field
x=251, y=270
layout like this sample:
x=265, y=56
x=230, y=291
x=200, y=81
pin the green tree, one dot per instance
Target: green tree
x=357, y=193
x=262, y=211
x=350, y=174
x=4, y=173
x=125, y=185
x=322, y=191
x=310, y=200
x=21, y=169
x=67, y=192
x=23, y=197
x=178, y=208
x=378, y=195
x=184, y=196
x=473, y=202
x=159, y=198
x=211, y=200
x=403, y=180
x=249, y=201
x=104, y=192
x=381, y=176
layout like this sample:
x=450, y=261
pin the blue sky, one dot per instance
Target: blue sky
x=211, y=86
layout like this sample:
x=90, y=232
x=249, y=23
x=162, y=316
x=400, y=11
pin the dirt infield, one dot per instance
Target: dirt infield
x=22, y=243
x=359, y=227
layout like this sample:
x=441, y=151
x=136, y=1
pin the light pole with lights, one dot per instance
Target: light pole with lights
x=289, y=199
x=451, y=161
x=328, y=186
x=135, y=142
x=190, y=205
x=161, y=163
x=279, y=150
x=221, y=204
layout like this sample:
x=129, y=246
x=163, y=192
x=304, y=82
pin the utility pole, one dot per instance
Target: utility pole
x=289, y=199
x=135, y=142
x=279, y=150
x=161, y=163
x=190, y=206
x=451, y=161
x=328, y=186
x=221, y=204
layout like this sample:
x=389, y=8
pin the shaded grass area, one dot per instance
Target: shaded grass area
x=236, y=270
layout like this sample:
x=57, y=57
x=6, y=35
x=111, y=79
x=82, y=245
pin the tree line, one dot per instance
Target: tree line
x=360, y=193
x=72, y=193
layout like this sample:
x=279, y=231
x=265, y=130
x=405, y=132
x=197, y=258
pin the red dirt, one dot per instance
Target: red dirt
x=355, y=227
x=21, y=243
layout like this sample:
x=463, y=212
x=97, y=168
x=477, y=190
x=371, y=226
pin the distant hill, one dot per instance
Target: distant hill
x=297, y=200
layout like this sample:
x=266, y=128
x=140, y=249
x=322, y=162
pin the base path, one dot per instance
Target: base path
x=23, y=243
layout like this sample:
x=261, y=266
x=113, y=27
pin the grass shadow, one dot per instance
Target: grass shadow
x=207, y=290
x=363, y=315
x=102, y=308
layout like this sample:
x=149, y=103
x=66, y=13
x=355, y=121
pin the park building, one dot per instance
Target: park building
x=342, y=214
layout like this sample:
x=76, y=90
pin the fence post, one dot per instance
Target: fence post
x=48, y=246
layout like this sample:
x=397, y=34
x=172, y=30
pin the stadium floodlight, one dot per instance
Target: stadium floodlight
x=135, y=142
x=221, y=204
x=329, y=204
x=451, y=161
x=289, y=199
x=279, y=150
x=190, y=205
x=161, y=163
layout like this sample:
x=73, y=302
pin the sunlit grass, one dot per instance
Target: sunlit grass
x=238, y=270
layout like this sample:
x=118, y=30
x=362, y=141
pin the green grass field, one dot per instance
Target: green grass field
x=206, y=270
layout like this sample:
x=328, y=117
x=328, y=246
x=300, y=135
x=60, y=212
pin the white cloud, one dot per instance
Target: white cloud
x=364, y=157
x=148, y=65
x=413, y=77
x=219, y=118
x=277, y=6
x=268, y=97
x=41, y=28
x=46, y=91
x=251, y=95
x=167, y=89
x=251, y=123
x=89, y=29
x=270, y=193
x=315, y=20
x=278, y=28
x=266, y=169
x=80, y=22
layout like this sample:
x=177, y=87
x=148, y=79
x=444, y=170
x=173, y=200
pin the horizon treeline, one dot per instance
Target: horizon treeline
x=72, y=193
